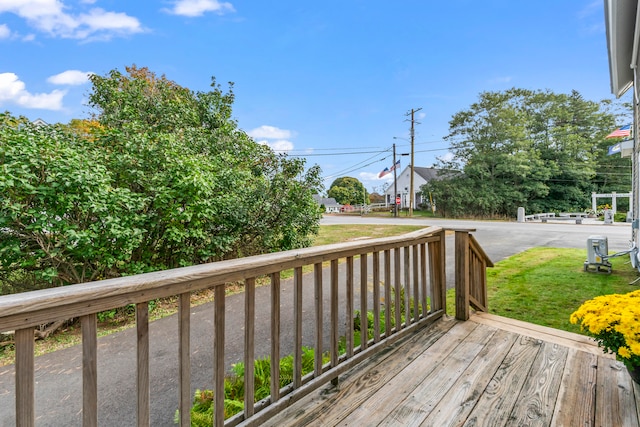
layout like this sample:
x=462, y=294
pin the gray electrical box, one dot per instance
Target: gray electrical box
x=597, y=255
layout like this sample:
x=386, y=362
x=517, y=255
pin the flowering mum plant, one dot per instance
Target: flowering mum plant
x=614, y=321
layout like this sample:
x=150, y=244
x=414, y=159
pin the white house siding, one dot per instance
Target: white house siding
x=421, y=175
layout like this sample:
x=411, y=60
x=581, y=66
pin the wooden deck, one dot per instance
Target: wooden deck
x=488, y=371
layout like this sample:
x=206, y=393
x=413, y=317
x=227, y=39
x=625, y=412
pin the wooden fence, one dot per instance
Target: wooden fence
x=401, y=280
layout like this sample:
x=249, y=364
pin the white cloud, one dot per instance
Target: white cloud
x=370, y=176
x=5, y=32
x=13, y=90
x=70, y=78
x=280, y=146
x=271, y=136
x=447, y=157
x=200, y=7
x=270, y=132
x=51, y=17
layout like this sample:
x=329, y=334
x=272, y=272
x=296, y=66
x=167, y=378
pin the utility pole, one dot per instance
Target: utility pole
x=395, y=183
x=411, y=194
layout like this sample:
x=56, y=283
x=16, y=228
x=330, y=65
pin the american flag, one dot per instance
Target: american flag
x=623, y=131
x=387, y=171
x=384, y=172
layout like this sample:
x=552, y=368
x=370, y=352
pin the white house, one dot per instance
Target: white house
x=329, y=203
x=420, y=177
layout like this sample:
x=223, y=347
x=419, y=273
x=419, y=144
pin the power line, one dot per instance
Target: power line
x=360, y=165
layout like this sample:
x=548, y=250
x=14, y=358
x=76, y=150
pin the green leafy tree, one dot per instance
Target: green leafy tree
x=160, y=177
x=61, y=219
x=348, y=191
x=534, y=149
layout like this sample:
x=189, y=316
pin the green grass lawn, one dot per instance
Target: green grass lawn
x=339, y=233
x=545, y=285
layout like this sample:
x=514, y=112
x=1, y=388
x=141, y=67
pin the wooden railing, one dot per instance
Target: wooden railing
x=471, y=278
x=404, y=271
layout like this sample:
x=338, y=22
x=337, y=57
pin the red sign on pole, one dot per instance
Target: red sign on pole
x=397, y=200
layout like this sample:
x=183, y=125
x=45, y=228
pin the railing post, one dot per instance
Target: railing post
x=462, y=274
x=25, y=378
x=89, y=370
x=184, y=354
x=218, y=356
x=142, y=326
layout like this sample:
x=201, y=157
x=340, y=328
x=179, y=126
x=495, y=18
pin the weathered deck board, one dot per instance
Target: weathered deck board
x=501, y=395
x=357, y=385
x=421, y=400
x=577, y=391
x=484, y=372
x=615, y=402
x=456, y=405
x=540, y=393
x=409, y=379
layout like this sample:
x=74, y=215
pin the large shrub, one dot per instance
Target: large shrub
x=161, y=177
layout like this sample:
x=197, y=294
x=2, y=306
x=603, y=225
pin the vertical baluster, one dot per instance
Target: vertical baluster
x=416, y=283
x=25, y=378
x=376, y=296
x=218, y=356
x=436, y=267
x=317, y=281
x=423, y=278
x=142, y=325
x=275, y=337
x=407, y=286
x=442, y=269
x=334, y=317
x=249, y=348
x=88, y=325
x=297, y=320
x=387, y=292
x=483, y=283
x=184, y=354
x=398, y=288
x=364, y=322
x=434, y=289
x=349, y=307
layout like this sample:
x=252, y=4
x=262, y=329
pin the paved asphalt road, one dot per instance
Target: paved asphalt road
x=58, y=375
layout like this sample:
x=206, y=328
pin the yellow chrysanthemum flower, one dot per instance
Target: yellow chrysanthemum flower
x=614, y=320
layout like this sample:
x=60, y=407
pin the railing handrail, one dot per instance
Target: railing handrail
x=30, y=308
x=411, y=268
x=475, y=246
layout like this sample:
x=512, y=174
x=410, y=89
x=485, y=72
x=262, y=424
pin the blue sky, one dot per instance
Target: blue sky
x=332, y=81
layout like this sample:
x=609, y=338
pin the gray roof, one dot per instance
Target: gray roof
x=428, y=174
x=326, y=201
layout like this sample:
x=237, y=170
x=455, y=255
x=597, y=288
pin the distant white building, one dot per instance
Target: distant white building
x=39, y=122
x=420, y=177
x=329, y=203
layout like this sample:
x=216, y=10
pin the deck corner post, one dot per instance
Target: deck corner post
x=462, y=274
